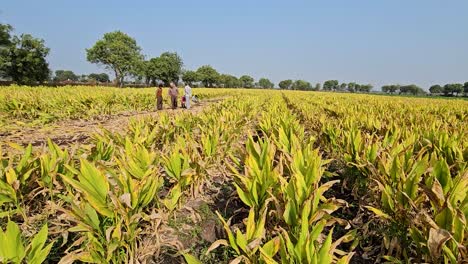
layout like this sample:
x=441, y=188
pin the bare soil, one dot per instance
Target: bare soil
x=68, y=132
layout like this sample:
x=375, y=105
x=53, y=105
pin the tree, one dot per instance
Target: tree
x=65, y=75
x=385, y=88
x=83, y=78
x=465, y=88
x=5, y=37
x=151, y=70
x=435, y=89
x=412, y=89
x=365, y=88
x=330, y=85
x=342, y=87
x=351, y=87
x=317, y=87
x=208, y=76
x=447, y=89
x=190, y=77
x=301, y=85
x=5, y=42
x=99, y=77
x=246, y=81
x=457, y=88
x=393, y=88
x=24, y=60
x=265, y=83
x=170, y=67
x=285, y=84
x=166, y=68
x=118, y=52
x=229, y=81
x=453, y=88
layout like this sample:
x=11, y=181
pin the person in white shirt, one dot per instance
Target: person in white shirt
x=188, y=95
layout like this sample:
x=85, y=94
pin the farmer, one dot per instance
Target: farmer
x=188, y=95
x=159, y=98
x=173, y=93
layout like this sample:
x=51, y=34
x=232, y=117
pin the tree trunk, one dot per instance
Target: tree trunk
x=117, y=77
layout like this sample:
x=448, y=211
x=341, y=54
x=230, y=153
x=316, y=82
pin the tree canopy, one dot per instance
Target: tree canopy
x=330, y=85
x=64, y=75
x=285, y=84
x=23, y=59
x=118, y=52
x=301, y=85
x=99, y=77
x=246, y=81
x=5, y=37
x=229, y=81
x=392, y=88
x=190, y=77
x=208, y=76
x=265, y=83
x=435, y=89
x=453, y=88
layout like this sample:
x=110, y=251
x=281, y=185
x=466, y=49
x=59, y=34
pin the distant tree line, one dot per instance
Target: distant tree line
x=67, y=76
x=330, y=85
x=23, y=61
x=403, y=89
x=451, y=89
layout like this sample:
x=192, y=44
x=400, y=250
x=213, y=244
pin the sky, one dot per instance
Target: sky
x=421, y=42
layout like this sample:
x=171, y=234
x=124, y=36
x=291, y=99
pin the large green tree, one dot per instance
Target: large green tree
x=246, y=81
x=453, y=88
x=436, y=89
x=23, y=59
x=165, y=68
x=208, y=76
x=366, y=88
x=5, y=42
x=265, y=83
x=457, y=88
x=118, y=52
x=392, y=88
x=285, y=84
x=352, y=87
x=190, y=77
x=317, y=87
x=229, y=81
x=301, y=85
x=411, y=89
x=465, y=88
x=330, y=85
x=99, y=77
x=169, y=67
x=342, y=87
x=5, y=35
x=65, y=75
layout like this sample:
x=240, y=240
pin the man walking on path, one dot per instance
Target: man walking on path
x=173, y=93
x=188, y=95
x=159, y=98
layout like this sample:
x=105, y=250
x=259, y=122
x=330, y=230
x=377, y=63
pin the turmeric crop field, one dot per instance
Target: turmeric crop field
x=246, y=176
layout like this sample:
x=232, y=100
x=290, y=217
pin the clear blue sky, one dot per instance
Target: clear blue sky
x=368, y=41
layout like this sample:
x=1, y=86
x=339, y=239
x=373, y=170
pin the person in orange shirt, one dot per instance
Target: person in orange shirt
x=159, y=98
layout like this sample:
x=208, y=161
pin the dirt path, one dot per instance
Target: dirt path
x=68, y=132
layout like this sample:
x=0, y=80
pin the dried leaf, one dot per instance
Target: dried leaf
x=437, y=238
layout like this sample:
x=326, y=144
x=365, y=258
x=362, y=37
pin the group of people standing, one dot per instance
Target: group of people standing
x=174, y=94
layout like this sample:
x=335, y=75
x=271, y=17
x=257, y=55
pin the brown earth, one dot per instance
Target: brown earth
x=68, y=132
